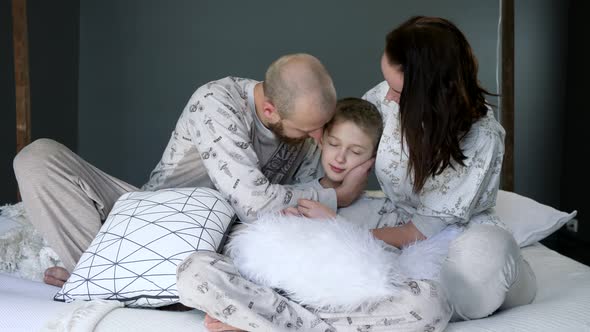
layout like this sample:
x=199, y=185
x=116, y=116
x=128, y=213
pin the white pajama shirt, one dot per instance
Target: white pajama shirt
x=459, y=195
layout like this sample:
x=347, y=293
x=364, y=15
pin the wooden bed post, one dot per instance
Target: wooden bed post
x=21, y=75
x=507, y=93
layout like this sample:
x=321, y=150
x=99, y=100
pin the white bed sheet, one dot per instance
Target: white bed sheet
x=25, y=305
x=562, y=304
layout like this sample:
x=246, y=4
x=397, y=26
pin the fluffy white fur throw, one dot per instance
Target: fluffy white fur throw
x=23, y=251
x=332, y=265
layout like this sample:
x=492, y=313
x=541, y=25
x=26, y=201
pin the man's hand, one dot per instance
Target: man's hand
x=354, y=183
x=314, y=209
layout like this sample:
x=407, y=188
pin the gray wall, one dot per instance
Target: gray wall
x=53, y=73
x=141, y=60
x=53, y=61
x=7, y=105
x=540, y=97
x=574, y=180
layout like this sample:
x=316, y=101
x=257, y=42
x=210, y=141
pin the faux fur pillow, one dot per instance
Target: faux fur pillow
x=331, y=265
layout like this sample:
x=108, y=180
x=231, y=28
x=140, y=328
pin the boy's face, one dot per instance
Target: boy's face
x=344, y=147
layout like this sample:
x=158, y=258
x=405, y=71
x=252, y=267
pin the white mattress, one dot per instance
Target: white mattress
x=562, y=304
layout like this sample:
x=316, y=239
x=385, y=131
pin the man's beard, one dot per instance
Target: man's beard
x=279, y=131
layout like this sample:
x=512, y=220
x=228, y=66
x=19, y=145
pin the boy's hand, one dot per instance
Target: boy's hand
x=354, y=183
x=314, y=209
x=291, y=211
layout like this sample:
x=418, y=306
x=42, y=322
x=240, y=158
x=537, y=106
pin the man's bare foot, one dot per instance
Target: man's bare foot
x=56, y=276
x=215, y=325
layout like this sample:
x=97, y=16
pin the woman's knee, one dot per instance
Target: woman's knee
x=483, y=250
x=481, y=267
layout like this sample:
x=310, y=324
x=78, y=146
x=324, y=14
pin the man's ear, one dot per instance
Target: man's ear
x=270, y=112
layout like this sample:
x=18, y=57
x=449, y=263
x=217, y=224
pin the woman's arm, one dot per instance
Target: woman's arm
x=399, y=236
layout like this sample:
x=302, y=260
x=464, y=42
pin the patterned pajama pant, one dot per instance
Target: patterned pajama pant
x=211, y=283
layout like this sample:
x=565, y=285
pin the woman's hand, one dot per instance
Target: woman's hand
x=399, y=236
x=314, y=209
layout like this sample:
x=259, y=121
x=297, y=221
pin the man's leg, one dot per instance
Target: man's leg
x=65, y=197
x=210, y=282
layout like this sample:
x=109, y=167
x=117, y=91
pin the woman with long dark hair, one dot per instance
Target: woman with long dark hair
x=439, y=163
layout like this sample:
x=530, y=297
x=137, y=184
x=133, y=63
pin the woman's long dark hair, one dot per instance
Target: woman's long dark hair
x=441, y=96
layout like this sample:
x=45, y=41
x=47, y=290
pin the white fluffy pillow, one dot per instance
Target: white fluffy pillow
x=133, y=257
x=331, y=264
x=529, y=220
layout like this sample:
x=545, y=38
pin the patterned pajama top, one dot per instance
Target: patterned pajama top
x=458, y=195
x=219, y=142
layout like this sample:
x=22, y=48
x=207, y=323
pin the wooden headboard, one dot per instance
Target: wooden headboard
x=21, y=73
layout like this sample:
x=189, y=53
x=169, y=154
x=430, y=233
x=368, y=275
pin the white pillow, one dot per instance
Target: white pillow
x=529, y=220
x=332, y=265
x=133, y=257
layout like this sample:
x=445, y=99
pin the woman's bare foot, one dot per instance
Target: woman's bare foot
x=215, y=325
x=56, y=276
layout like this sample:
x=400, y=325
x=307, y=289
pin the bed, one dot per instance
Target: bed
x=26, y=304
x=562, y=304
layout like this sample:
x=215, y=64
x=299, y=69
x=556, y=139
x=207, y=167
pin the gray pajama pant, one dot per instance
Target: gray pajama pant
x=65, y=197
x=211, y=283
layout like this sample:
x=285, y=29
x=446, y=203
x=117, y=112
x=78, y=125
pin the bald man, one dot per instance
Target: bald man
x=250, y=140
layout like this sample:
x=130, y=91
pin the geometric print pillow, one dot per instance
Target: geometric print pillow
x=133, y=257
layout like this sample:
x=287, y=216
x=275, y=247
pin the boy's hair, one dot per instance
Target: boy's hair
x=362, y=113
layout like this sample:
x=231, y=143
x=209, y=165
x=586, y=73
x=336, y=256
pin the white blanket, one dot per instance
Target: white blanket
x=562, y=304
x=23, y=251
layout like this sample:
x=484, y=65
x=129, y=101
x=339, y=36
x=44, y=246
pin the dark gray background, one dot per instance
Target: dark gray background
x=141, y=60
x=109, y=78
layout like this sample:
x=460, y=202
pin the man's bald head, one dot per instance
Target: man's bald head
x=299, y=77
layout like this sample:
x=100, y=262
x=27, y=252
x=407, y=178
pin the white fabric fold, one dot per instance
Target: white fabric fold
x=81, y=316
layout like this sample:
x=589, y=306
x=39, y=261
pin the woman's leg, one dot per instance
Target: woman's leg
x=485, y=271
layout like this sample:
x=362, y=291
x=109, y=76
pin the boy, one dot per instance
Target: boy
x=349, y=139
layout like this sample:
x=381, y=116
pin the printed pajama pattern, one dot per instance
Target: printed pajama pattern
x=211, y=283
